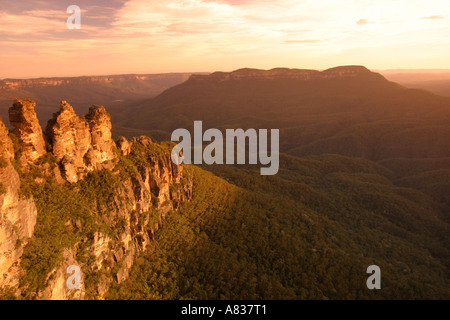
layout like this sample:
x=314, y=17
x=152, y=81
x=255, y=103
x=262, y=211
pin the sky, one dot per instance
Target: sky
x=158, y=36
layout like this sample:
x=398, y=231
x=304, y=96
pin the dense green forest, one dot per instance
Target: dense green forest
x=363, y=180
x=308, y=233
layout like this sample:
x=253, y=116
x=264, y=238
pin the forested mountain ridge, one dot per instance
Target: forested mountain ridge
x=309, y=232
x=363, y=180
x=348, y=111
x=344, y=110
x=368, y=158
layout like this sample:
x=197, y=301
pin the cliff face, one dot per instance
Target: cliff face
x=115, y=212
x=17, y=214
x=285, y=73
x=171, y=79
x=139, y=204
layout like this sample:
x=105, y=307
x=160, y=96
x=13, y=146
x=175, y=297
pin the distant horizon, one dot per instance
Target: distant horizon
x=405, y=71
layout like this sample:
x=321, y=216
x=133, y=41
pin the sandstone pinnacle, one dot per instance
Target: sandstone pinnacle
x=80, y=144
x=23, y=117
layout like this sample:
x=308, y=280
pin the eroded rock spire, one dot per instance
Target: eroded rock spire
x=23, y=117
x=81, y=144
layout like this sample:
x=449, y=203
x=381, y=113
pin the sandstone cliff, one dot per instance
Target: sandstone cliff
x=285, y=73
x=90, y=202
x=17, y=214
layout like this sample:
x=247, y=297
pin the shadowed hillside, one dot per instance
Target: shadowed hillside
x=344, y=110
x=307, y=233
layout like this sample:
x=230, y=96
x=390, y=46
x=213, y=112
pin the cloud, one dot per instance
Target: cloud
x=302, y=41
x=205, y=35
x=362, y=21
x=433, y=17
x=27, y=24
x=50, y=14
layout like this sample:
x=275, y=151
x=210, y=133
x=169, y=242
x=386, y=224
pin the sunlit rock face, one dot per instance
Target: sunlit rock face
x=71, y=147
x=27, y=129
x=285, y=73
x=101, y=150
x=17, y=214
x=81, y=143
x=124, y=146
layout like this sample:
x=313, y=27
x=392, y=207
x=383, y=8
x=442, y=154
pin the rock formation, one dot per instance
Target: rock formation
x=57, y=286
x=23, y=117
x=146, y=187
x=17, y=214
x=70, y=140
x=6, y=145
x=285, y=73
x=102, y=145
x=81, y=144
x=124, y=146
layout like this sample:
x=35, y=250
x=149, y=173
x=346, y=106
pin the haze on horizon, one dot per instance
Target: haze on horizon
x=140, y=36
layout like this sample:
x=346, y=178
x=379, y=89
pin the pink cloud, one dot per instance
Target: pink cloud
x=436, y=17
x=362, y=21
x=302, y=41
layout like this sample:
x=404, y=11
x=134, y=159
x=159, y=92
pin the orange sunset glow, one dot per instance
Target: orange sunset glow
x=141, y=36
x=223, y=158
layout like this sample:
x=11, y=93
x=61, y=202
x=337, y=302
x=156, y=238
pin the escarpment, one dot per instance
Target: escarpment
x=17, y=214
x=73, y=196
x=285, y=73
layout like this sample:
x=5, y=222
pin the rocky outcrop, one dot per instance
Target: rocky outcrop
x=346, y=71
x=57, y=281
x=124, y=146
x=146, y=187
x=170, y=78
x=143, y=202
x=70, y=140
x=6, y=145
x=81, y=144
x=17, y=215
x=23, y=117
x=102, y=147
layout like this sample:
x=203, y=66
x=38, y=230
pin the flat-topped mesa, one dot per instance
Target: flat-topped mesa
x=346, y=71
x=27, y=129
x=247, y=73
x=80, y=144
x=275, y=73
x=285, y=73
